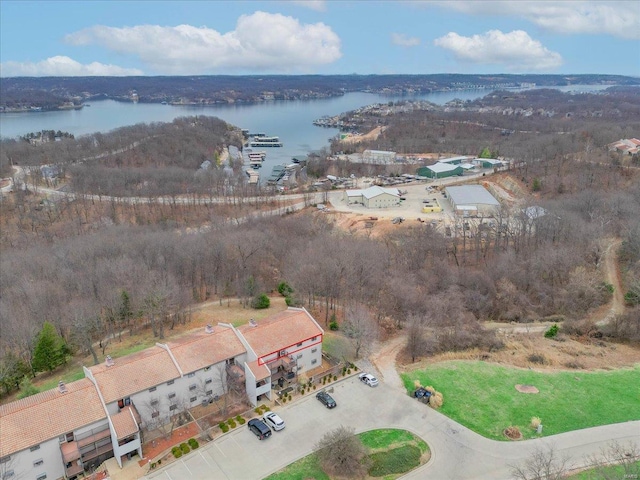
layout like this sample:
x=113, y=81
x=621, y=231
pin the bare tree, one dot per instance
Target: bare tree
x=360, y=328
x=341, y=453
x=544, y=463
x=627, y=456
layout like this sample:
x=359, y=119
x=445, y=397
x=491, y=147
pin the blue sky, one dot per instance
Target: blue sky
x=315, y=36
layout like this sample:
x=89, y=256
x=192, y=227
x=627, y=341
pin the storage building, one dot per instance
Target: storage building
x=373, y=197
x=472, y=200
x=440, y=170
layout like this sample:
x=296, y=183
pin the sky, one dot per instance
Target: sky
x=118, y=38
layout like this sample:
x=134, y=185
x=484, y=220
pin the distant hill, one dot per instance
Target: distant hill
x=48, y=93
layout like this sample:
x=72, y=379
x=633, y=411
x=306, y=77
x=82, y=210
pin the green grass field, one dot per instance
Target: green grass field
x=483, y=397
x=392, y=453
x=609, y=472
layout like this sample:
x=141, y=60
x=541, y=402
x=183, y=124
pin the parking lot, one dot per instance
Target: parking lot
x=456, y=452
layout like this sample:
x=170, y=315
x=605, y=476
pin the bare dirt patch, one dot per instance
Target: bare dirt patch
x=526, y=388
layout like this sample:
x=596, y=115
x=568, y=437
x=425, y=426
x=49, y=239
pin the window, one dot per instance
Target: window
x=193, y=399
x=314, y=361
x=314, y=339
x=155, y=414
x=152, y=389
x=38, y=462
x=154, y=402
x=209, y=392
x=299, y=355
x=192, y=387
x=314, y=350
x=173, y=407
x=208, y=381
x=206, y=369
x=42, y=476
x=170, y=382
x=299, y=345
x=172, y=395
x=34, y=448
x=191, y=375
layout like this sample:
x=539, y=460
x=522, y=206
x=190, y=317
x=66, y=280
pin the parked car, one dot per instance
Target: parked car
x=326, y=399
x=368, y=379
x=259, y=428
x=273, y=420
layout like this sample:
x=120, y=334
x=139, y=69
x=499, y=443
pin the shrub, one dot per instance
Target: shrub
x=348, y=371
x=258, y=410
x=630, y=298
x=302, y=392
x=261, y=301
x=284, y=289
x=177, y=452
x=284, y=400
x=552, y=332
x=333, y=326
x=160, y=462
x=535, y=422
x=314, y=387
x=232, y=423
x=224, y=427
x=436, y=400
x=193, y=443
x=238, y=418
x=575, y=365
x=242, y=421
x=153, y=465
x=335, y=377
x=536, y=358
x=289, y=397
x=291, y=301
x=185, y=448
x=512, y=432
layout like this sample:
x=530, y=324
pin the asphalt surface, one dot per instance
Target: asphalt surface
x=457, y=453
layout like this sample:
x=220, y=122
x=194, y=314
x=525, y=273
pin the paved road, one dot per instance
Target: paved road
x=457, y=453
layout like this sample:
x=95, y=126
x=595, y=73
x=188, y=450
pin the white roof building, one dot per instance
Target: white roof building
x=472, y=198
x=373, y=197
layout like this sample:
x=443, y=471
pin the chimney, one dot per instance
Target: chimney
x=62, y=387
x=109, y=361
x=208, y=328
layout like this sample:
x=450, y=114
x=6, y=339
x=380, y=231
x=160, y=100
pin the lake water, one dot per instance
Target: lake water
x=290, y=120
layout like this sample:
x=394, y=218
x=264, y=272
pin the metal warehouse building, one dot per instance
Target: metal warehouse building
x=440, y=170
x=471, y=200
x=373, y=197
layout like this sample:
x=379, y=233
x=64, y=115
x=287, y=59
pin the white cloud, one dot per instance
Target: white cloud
x=404, y=40
x=610, y=17
x=515, y=51
x=261, y=41
x=317, y=5
x=61, y=66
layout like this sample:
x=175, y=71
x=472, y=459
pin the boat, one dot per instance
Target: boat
x=265, y=142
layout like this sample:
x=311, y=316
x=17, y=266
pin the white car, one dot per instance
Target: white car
x=273, y=420
x=368, y=379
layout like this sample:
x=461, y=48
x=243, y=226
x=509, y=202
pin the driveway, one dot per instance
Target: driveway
x=457, y=453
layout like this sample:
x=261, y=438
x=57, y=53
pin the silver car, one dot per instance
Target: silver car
x=368, y=379
x=273, y=420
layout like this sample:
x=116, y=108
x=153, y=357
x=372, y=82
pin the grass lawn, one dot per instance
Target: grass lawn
x=611, y=471
x=483, y=397
x=392, y=453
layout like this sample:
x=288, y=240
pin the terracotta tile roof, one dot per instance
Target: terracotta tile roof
x=202, y=349
x=134, y=373
x=124, y=423
x=280, y=331
x=47, y=415
x=259, y=371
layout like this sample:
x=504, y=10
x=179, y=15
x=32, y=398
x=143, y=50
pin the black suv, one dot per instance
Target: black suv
x=326, y=399
x=259, y=428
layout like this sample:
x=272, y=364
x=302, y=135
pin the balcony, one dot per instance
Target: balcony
x=96, y=452
x=73, y=470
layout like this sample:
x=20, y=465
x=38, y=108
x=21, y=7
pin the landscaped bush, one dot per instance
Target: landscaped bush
x=232, y=423
x=436, y=400
x=242, y=421
x=224, y=427
x=535, y=422
x=177, y=452
x=284, y=289
x=513, y=432
x=333, y=326
x=193, y=443
x=335, y=377
x=185, y=448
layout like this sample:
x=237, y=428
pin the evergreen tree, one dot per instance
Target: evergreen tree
x=50, y=350
x=27, y=388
